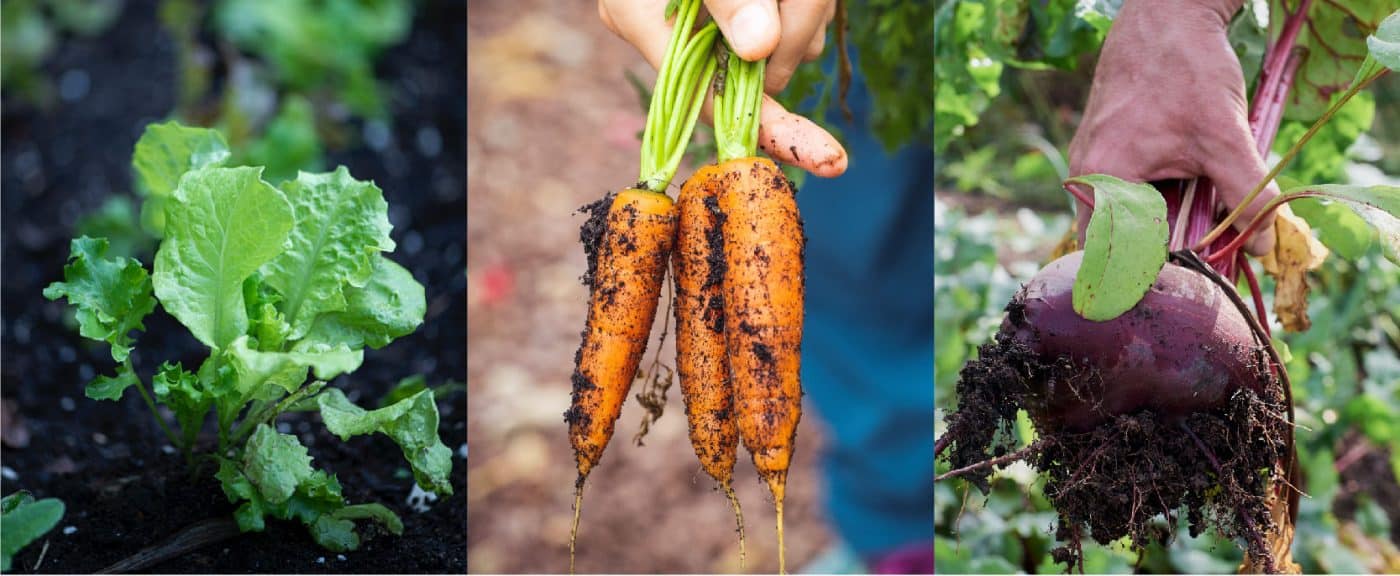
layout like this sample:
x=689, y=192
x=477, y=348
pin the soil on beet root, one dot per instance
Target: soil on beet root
x=106, y=460
x=1116, y=479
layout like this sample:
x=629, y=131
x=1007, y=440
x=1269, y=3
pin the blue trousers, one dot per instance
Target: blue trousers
x=867, y=358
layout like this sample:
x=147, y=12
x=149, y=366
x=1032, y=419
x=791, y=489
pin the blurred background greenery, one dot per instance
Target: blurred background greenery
x=1011, y=80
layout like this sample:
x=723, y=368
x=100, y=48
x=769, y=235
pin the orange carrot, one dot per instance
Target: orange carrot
x=698, y=269
x=628, y=245
x=763, y=280
x=763, y=297
x=628, y=240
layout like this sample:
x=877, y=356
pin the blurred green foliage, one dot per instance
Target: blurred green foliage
x=319, y=44
x=29, y=31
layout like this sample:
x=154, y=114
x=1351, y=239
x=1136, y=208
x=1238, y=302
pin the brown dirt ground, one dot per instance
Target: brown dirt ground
x=552, y=125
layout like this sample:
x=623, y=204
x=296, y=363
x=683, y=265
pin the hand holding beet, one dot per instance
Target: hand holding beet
x=1168, y=102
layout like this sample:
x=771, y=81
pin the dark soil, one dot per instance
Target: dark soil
x=1117, y=478
x=105, y=459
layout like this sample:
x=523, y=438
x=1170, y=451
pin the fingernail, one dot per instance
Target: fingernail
x=749, y=26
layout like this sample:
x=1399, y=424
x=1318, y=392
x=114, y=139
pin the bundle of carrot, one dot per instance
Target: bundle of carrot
x=739, y=295
x=628, y=240
x=738, y=272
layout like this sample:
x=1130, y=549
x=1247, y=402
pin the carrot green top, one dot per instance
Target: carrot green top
x=738, y=101
x=676, y=99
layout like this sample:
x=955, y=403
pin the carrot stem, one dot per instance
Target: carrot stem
x=738, y=107
x=680, y=88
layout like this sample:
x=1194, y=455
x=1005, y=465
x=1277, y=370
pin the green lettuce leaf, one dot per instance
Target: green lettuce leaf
x=167, y=151
x=181, y=391
x=223, y=223
x=111, y=387
x=111, y=296
x=341, y=225
x=316, y=502
x=390, y=305
x=275, y=463
x=258, y=370
x=412, y=423
x=23, y=520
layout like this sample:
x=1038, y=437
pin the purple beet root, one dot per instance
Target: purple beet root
x=1183, y=349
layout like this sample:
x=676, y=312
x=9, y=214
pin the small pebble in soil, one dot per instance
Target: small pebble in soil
x=67, y=404
x=168, y=449
x=70, y=530
x=99, y=438
x=67, y=354
x=284, y=427
x=462, y=451
x=418, y=499
x=74, y=84
x=412, y=242
x=377, y=135
x=320, y=559
x=9, y=473
x=340, y=557
x=429, y=141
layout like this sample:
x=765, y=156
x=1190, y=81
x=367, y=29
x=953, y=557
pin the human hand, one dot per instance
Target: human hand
x=1168, y=102
x=755, y=29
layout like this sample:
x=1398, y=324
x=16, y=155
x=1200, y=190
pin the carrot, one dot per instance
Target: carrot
x=763, y=281
x=628, y=244
x=628, y=240
x=698, y=268
x=763, y=296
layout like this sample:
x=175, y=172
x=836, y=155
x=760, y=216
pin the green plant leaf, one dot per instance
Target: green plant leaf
x=275, y=463
x=258, y=370
x=390, y=305
x=119, y=221
x=180, y=390
x=1384, y=45
x=412, y=423
x=23, y=520
x=111, y=387
x=372, y=511
x=290, y=143
x=1378, y=205
x=112, y=296
x=1125, y=247
x=1338, y=227
x=167, y=151
x=341, y=226
x=1336, y=43
x=222, y=224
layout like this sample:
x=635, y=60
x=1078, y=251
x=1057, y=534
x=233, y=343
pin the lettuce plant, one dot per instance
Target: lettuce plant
x=24, y=520
x=286, y=286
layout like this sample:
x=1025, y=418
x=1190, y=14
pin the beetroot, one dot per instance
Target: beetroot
x=1171, y=405
x=1184, y=348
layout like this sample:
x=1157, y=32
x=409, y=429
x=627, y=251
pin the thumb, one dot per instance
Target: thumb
x=750, y=26
x=1236, y=172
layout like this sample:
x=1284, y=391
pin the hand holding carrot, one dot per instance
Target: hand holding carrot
x=756, y=29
